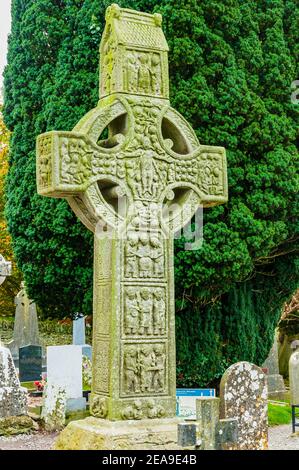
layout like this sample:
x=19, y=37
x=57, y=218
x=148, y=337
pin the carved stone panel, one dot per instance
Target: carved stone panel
x=101, y=369
x=145, y=311
x=144, y=256
x=144, y=369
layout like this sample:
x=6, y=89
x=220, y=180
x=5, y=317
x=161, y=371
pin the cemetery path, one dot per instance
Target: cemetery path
x=37, y=441
x=281, y=438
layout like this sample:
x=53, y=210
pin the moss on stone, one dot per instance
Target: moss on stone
x=13, y=425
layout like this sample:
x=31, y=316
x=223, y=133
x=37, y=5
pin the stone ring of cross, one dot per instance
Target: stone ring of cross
x=149, y=163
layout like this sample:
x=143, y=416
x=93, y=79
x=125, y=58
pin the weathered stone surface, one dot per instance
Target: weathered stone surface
x=13, y=397
x=100, y=434
x=243, y=395
x=13, y=425
x=186, y=434
x=294, y=378
x=54, y=407
x=276, y=387
x=207, y=415
x=25, y=325
x=118, y=188
x=226, y=433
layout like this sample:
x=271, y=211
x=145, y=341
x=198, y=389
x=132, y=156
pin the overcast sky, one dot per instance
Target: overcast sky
x=4, y=30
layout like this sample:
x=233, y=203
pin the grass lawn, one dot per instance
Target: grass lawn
x=279, y=414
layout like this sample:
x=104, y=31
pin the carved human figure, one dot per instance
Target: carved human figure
x=147, y=171
x=146, y=312
x=144, y=254
x=43, y=170
x=156, y=74
x=147, y=363
x=144, y=75
x=131, y=371
x=131, y=267
x=108, y=75
x=132, y=72
x=159, y=313
x=157, y=256
x=159, y=369
x=131, y=312
x=65, y=161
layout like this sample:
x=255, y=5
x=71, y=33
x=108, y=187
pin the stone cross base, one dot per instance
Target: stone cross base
x=100, y=434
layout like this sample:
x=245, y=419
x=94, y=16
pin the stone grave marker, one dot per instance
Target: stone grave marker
x=208, y=432
x=13, y=397
x=134, y=190
x=64, y=373
x=5, y=269
x=294, y=376
x=30, y=363
x=276, y=387
x=79, y=336
x=25, y=325
x=243, y=395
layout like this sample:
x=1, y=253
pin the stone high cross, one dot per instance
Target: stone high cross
x=152, y=159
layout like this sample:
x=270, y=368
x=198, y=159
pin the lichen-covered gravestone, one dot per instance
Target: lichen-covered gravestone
x=13, y=397
x=243, y=395
x=118, y=188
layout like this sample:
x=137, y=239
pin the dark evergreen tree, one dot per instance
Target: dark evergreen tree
x=232, y=63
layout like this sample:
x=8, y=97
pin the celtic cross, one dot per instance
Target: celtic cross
x=150, y=158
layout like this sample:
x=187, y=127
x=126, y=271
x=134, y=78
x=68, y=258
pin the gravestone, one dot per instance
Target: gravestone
x=208, y=432
x=134, y=190
x=79, y=336
x=30, y=363
x=13, y=397
x=294, y=376
x=54, y=407
x=276, y=387
x=64, y=373
x=243, y=395
x=5, y=269
x=25, y=325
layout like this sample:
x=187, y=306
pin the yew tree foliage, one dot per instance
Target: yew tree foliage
x=231, y=63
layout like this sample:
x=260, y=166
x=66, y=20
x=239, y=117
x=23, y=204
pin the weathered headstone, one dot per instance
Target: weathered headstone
x=30, y=363
x=5, y=269
x=54, y=407
x=276, y=387
x=208, y=432
x=64, y=373
x=294, y=377
x=79, y=336
x=243, y=395
x=25, y=325
x=13, y=397
x=118, y=188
